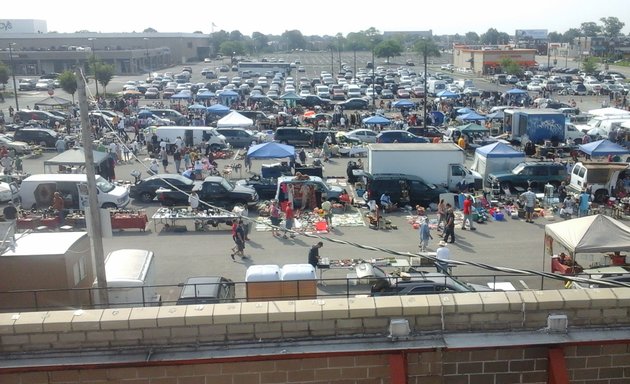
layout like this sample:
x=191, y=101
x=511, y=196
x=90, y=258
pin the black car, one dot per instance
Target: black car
x=399, y=136
x=354, y=103
x=294, y=136
x=40, y=116
x=532, y=174
x=214, y=190
x=403, y=189
x=311, y=101
x=145, y=190
x=38, y=136
x=426, y=132
x=266, y=187
x=206, y=290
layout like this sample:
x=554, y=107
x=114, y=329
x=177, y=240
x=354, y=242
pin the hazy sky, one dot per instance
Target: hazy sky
x=323, y=17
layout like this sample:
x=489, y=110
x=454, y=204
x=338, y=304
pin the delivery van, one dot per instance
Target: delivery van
x=130, y=279
x=192, y=136
x=36, y=191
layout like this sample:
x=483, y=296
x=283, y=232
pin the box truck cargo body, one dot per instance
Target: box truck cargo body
x=440, y=164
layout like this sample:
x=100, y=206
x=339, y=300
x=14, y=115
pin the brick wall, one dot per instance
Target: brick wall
x=360, y=323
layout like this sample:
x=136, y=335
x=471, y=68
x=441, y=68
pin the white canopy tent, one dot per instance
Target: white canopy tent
x=590, y=234
x=235, y=120
x=609, y=111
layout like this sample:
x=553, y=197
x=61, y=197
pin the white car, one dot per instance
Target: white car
x=534, y=86
x=364, y=135
x=304, y=93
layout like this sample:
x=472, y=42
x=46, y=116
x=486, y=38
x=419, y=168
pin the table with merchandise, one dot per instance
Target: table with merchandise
x=169, y=216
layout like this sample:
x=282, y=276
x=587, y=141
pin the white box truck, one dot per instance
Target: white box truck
x=130, y=279
x=192, y=135
x=440, y=164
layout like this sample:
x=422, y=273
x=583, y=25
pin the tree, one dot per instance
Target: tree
x=590, y=29
x=259, y=42
x=432, y=49
x=612, y=26
x=236, y=36
x=570, y=35
x=589, y=65
x=388, y=48
x=491, y=37
x=294, y=40
x=511, y=67
x=4, y=74
x=68, y=82
x=104, y=74
x=231, y=48
x=555, y=37
x=471, y=38
x=149, y=30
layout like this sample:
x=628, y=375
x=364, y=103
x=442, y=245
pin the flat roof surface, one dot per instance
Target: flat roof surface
x=415, y=147
x=45, y=243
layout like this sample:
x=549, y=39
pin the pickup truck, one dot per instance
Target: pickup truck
x=214, y=190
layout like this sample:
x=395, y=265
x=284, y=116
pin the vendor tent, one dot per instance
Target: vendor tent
x=447, y=95
x=234, y=120
x=498, y=115
x=271, y=150
x=516, y=91
x=603, y=148
x=218, y=109
x=471, y=116
x=590, y=234
x=610, y=111
x=182, y=96
x=53, y=102
x=496, y=157
x=75, y=158
x=471, y=128
x=376, y=119
x=205, y=95
x=403, y=104
x=464, y=110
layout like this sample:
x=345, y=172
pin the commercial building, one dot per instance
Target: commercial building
x=485, y=60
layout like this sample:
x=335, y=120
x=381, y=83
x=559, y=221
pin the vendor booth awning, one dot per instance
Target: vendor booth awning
x=447, y=94
x=403, y=104
x=516, y=91
x=610, y=111
x=218, y=109
x=75, y=157
x=377, y=119
x=205, y=95
x=496, y=157
x=471, y=116
x=271, y=150
x=591, y=234
x=471, y=128
x=53, y=102
x=234, y=120
x=603, y=148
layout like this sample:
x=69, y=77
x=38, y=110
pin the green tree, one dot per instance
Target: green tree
x=611, y=26
x=590, y=29
x=589, y=65
x=510, y=66
x=471, y=38
x=231, y=48
x=570, y=35
x=216, y=39
x=68, y=82
x=236, y=36
x=432, y=49
x=294, y=39
x=555, y=37
x=259, y=42
x=491, y=37
x=104, y=74
x=4, y=73
x=388, y=48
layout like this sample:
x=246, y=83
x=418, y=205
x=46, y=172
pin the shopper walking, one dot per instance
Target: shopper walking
x=449, y=226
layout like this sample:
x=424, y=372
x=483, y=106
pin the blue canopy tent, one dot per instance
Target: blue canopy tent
x=438, y=117
x=498, y=115
x=447, y=95
x=516, y=91
x=145, y=113
x=496, y=158
x=376, y=119
x=227, y=97
x=182, y=96
x=271, y=150
x=205, y=95
x=218, y=109
x=464, y=110
x=603, y=148
x=403, y=104
x=471, y=116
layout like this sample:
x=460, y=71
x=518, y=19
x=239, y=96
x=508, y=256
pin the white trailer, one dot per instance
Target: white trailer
x=440, y=164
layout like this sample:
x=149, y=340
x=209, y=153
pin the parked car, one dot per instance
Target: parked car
x=240, y=137
x=294, y=136
x=206, y=290
x=530, y=174
x=354, y=103
x=27, y=85
x=426, y=132
x=403, y=189
x=19, y=147
x=145, y=190
x=214, y=190
x=152, y=93
x=363, y=135
x=399, y=136
x=38, y=136
x=40, y=116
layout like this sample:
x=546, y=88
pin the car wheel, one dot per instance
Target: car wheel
x=146, y=197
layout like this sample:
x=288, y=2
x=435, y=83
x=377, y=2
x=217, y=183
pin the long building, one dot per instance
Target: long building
x=486, y=60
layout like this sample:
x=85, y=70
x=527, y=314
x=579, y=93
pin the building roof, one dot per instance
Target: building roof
x=43, y=244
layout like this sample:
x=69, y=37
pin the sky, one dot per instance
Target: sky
x=323, y=17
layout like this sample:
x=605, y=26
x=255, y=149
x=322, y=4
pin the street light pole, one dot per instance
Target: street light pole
x=146, y=46
x=373, y=79
x=94, y=60
x=332, y=61
x=15, y=90
x=426, y=76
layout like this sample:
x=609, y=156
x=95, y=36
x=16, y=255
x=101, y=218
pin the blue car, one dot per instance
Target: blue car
x=399, y=136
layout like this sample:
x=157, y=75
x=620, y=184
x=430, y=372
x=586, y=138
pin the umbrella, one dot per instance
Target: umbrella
x=197, y=107
x=377, y=119
x=218, y=109
x=403, y=104
x=447, y=94
x=464, y=110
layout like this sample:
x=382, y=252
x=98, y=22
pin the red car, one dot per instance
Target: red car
x=403, y=94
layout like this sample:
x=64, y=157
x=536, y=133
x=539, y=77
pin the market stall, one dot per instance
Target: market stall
x=126, y=219
x=169, y=217
x=592, y=237
x=73, y=161
x=494, y=158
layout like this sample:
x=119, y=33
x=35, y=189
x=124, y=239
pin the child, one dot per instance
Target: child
x=425, y=235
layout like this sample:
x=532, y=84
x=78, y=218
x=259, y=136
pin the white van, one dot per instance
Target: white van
x=192, y=136
x=435, y=86
x=604, y=123
x=37, y=191
x=130, y=279
x=599, y=177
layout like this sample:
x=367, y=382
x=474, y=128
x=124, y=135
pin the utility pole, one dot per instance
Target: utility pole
x=96, y=240
x=15, y=88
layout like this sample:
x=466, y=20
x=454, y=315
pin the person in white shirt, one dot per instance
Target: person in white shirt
x=443, y=255
x=193, y=200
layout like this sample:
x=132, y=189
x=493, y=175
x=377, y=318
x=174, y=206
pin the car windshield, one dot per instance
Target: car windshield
x=227, y=185
x=518, y=169
x=104, y=185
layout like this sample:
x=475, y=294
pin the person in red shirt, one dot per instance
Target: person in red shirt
x=289, y=216
x=468, y=211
